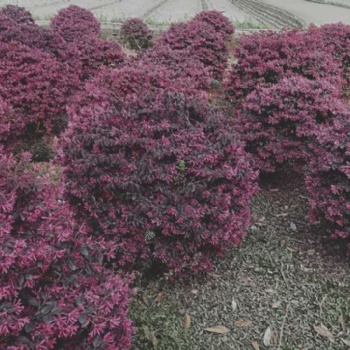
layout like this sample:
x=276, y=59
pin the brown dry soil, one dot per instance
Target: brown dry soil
x=286, y=276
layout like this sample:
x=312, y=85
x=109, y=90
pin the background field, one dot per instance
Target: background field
x=264, y=13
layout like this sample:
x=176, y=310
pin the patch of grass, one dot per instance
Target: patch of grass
x=159, y=324
x=248, y=24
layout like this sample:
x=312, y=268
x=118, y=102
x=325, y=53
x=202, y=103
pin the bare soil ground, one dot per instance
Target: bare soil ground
x=286, y=277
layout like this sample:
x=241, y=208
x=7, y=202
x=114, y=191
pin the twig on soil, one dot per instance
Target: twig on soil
x=321, y=303
x=282, y=327
x=284, y=277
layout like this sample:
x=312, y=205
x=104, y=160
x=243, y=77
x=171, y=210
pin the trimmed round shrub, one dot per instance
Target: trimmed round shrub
x=179, y=64
x=266, y=58
x=18, y=14
x=156, y=172
x=335, y=38
x=95, y=53
x=135, y=33
x=219, y=22
x=202, y=42
x=74, y=23
x=36, y=86
x=54, y=291
x=278, y=122
x=44, y=39
x=328, y=178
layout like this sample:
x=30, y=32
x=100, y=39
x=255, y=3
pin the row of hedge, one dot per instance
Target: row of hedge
x=152, y=175
x=147, y=173
x=289, y=91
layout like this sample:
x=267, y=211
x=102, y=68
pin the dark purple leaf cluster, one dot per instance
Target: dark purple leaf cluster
x=278, y=122
x=18, y=14
x=135, y=33
x=335, y=38
x=219, y=22
x=267, y=57
x=54, y=290
x=156, y=171
x=202, y=41
x=36, y=86
x=47, y=40
x=95, y=53
x=73, y=23
x=180, y=64
x=328, y=178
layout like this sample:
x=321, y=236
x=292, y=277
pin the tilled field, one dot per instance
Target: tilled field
x=165, y=11
x=264, y=13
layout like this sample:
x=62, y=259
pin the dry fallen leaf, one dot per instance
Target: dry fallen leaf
x=217, y=329
x=154, y=341
x=243, y=323
x=234, y=304
x=187, y=321
x=146, y=331
x=159, y=297
x=255, y=345
x=267, y=337
x=342, y=322
x=324, y=332
x=293, y=226
x=276, y=305
x=282, y=215
x=346, y=342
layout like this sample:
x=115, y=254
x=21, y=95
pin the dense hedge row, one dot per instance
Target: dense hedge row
x=147, y=173
x=287, y=90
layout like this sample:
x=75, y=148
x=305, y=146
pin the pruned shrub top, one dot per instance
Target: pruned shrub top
x=36, y=86
x=74, y=23
x=278, y=122
x=95, y=53
x=219, y=22
x=335, y=39
x=18, y=14
x=267, y=57
x=202, y=41
x=179, y=64
x=136, y=34
x=156, y=172
x=54, y=291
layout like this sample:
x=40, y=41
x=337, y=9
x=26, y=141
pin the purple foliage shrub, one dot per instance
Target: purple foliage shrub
x=202, y=41
x=54, y=291
x=95, y=54
x=335, y=38
x=328, y=178
x=135, y=32
x=74, y=23
x=265, y=58
x=47, y=40
x=279, y=122
x=36, y=86
x=156, y=172
x=219, y=22
x=18, y=14
x=178, y=64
